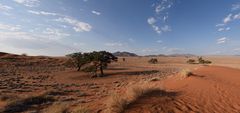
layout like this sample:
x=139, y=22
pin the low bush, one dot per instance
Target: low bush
x=191, y=61
x=153, y=61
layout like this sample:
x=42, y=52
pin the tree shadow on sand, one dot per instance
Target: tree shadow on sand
x=146, y=72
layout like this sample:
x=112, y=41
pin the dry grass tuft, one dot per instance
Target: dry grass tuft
x=185, y=73
x=118, y=103
x=57, y=108
x=80, y=110
x=22, y=105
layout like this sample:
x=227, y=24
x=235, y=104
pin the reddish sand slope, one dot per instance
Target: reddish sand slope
x=212, y=89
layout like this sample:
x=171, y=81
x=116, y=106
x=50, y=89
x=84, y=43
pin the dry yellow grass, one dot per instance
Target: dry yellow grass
x=117, y=103
x=57, y=108
x=80, y=109
x=184, y=73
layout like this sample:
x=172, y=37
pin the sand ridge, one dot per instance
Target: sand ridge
x=212, y=89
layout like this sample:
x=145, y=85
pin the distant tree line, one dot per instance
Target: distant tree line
x=92, y=61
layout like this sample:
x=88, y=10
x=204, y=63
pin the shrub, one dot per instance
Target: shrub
x=95, y=60
x=207, y=62
x=191, y=61
x=202, y=61
x=79, y=59
x=153, y=61
x=185, y=73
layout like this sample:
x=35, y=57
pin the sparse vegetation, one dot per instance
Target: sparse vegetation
x=57, y=108
x=93, y=61
x=118, y=103
x=123, y=59
x=24, y=104
x=200, y=61
x=153, y=61
x=191, y=61
x=80, y=109
x=79, y=59
x=185, y=73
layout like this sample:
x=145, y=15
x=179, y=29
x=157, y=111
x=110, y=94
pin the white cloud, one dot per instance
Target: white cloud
x=5, y=7
x=28, y=3
x=174, y=50
x=224, y=29
x=159, y=41
x=228, y=28
x=158, y=21
x=165, y=4
x=235, y=7
x=42, y=13
x=16, y=35
x=131, y=40
x=236, y=16
x=236, y=49
x=220, y=25
x=113, y=44
x=151, y=20
x=222, y=40
x=78, y=44
x=221, y=29
x=9, y=27
x=166, y=28
x=78, y=26
x=55, y=32
x=96, y=12
x=157, y=29
x=227, y=19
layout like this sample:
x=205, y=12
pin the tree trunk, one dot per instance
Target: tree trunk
x=101, y=69
x=79, y=68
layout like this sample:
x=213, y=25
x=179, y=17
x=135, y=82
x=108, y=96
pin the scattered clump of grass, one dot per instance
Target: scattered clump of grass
x=154, y=79
x=80, y=109
x=57, y=108
x=27, y=103
x=185, y=73
x=153, y=61
x=118, y=103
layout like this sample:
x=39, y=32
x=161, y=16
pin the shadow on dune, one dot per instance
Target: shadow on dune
x=117, y=69
x=196, y=75
x=158, y=101
x=146, y=72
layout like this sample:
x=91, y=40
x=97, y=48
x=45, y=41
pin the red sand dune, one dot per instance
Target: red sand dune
x=211, y=89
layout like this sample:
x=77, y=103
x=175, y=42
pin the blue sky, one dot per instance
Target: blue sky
x=59, y=27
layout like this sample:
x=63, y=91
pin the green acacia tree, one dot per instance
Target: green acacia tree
x=101, y=60
x=79, y=59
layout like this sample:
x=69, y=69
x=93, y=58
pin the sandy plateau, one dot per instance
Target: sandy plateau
x=44, y=85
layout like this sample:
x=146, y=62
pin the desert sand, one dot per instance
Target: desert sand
x=211, y=89
x=43, y=84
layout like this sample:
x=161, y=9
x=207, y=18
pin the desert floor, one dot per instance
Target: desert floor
x=45, y=85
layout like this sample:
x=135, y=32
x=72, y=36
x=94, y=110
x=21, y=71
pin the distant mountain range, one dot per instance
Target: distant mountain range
x=124, y=54
x=181, y=55
x=128, y=54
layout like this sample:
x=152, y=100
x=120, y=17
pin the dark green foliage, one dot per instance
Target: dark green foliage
x=79, y=59
x=92, y=61
x=191, y=61
x=153, y=61
x=101, y=59
x=202, y=61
